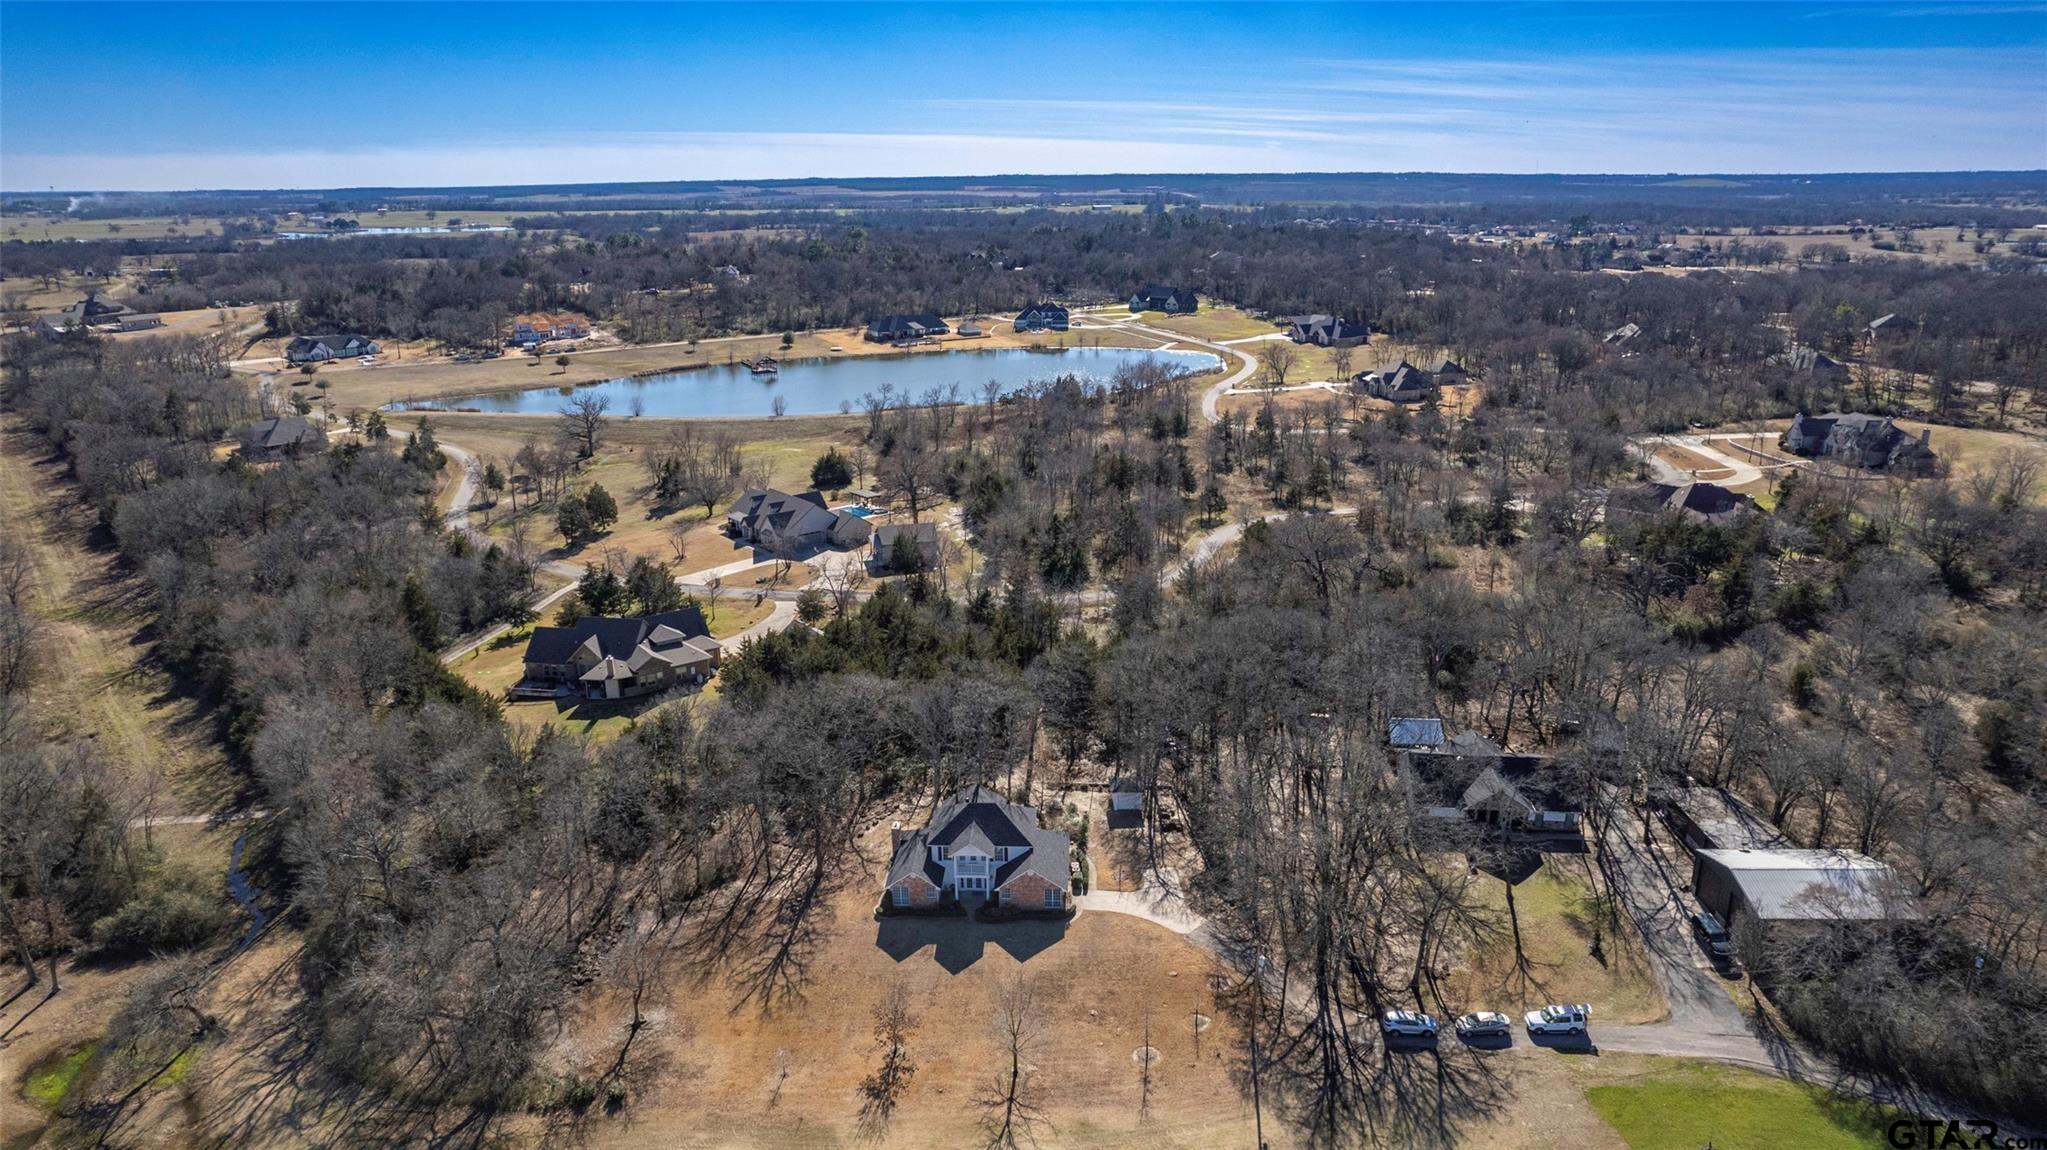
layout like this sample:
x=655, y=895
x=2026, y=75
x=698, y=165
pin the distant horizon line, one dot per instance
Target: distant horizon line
x=799, y=181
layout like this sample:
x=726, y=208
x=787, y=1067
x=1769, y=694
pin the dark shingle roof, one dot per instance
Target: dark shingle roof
x=282, y=431
x=616, y=638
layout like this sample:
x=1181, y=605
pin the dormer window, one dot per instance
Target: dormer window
x=939, y=853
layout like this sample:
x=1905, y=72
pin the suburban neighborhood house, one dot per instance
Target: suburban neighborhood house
x=318, y=348
x=1621, y=335
x=1698, y=502
x=1041, y=317
x=1328, y=331
x=93, y=313
x=905, y=328
x=1773, y=885
x=282, y=437
x=780, y=522
x=979, y=846
x=1471, y=778
x=1865, y=440
x=906, y=547
x=1172, y=301
x=606, y=658
x=528, y=330
x=1400, y=382
x=1812, y=363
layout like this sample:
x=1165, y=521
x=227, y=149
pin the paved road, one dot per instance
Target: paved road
x=1212, y=398
x=1743, y=472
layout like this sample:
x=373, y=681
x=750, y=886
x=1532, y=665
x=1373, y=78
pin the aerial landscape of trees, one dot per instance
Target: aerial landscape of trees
x=1866, y=662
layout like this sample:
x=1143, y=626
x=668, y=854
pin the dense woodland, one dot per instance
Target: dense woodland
x=1868, y=664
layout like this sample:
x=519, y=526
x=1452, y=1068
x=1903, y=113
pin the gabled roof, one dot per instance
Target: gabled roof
x=1471, y=769
x=921, y=323
x=283, y=431
x=795, y=516
x=1703, y=501
x=980, y=819
x=1000, y=821
x=609, y=638
x=1041, y=311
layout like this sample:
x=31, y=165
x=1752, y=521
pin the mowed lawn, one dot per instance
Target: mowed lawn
x=1681, y=1105
x=1558, y=914
x=786, y=447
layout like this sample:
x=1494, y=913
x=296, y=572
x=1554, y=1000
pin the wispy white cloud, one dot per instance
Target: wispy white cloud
x=1762, y=111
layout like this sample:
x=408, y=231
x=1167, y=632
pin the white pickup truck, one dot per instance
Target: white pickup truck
x=1555, y=1019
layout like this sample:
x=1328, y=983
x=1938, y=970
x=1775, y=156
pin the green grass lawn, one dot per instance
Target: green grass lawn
x=49, y=1083
x=1684, y=1106
x=1558, y=916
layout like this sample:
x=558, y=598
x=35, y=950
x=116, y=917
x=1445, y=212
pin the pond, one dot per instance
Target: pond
x=826, y=386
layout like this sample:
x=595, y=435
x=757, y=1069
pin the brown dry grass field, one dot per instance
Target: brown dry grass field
x=33, y=228
x=95, y=616
x=1864, y=246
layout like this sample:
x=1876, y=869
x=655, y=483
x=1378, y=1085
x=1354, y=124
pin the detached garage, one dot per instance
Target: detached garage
x=1786, y=885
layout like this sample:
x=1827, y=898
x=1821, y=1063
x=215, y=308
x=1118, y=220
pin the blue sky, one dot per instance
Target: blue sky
x=159, y=96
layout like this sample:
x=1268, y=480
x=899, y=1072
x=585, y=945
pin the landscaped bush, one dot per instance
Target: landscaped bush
x=996, y=912
x=176, y=909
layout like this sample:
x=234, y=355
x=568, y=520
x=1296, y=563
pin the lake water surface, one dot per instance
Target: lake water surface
x=826, y=386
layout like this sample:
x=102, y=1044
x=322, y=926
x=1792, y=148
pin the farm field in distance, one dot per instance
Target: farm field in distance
x=447, y=699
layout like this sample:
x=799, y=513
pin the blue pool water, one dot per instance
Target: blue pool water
x=824, y=386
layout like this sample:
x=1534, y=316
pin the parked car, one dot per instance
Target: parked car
x=1484, y=1024
x=1559, y=1019
x=1408, y=1023
x=1713, y=935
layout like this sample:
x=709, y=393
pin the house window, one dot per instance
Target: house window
x=900, y=895
x=939, y=853
x=1054, y=898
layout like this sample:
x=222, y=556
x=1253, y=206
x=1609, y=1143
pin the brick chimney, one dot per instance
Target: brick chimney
x=896, y=835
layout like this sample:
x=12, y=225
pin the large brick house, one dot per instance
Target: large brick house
x=979, y=846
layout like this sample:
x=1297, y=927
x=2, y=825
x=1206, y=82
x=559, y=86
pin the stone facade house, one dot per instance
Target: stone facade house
x=1328, y=331
x=608, y=658
x=1861, y=439
x=1400, y=382
x=979, y=847
x=783, y=522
